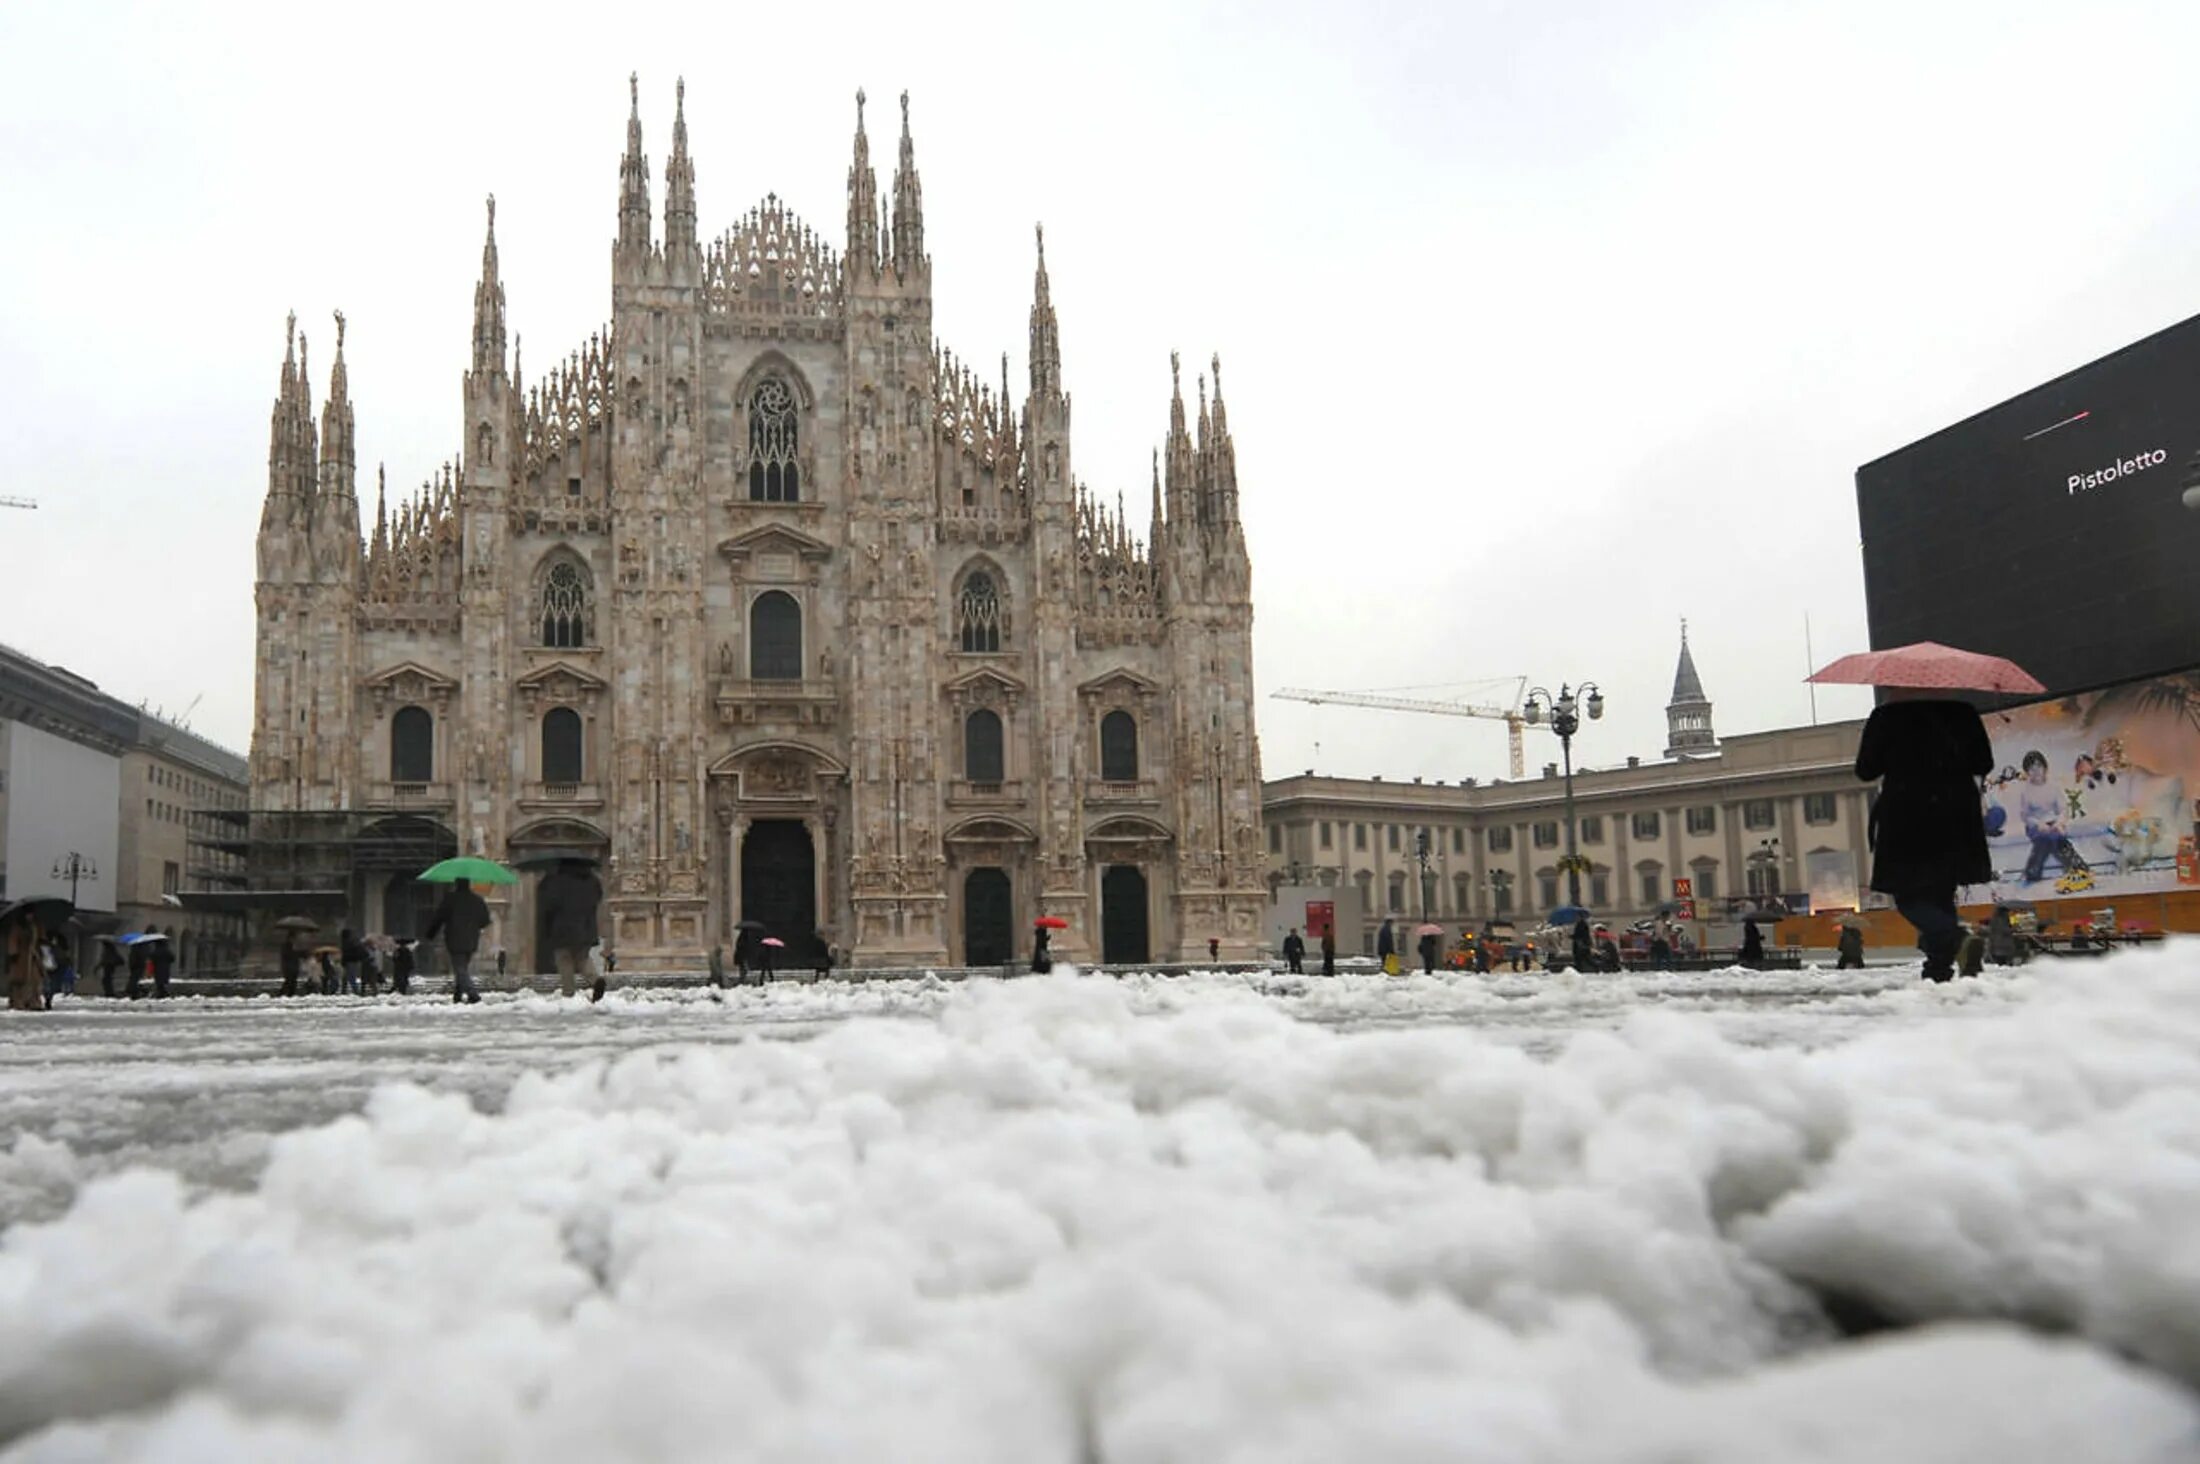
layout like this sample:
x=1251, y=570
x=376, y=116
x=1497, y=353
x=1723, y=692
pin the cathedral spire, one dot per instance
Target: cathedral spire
x=908, y=205
x=289, y=433
x=1046, y=338
x=1154, y=521
x=1223, y=450
x=679, y=178
x=488, y=307
x=634, y=177
x=862, y=202
x=1179, y=465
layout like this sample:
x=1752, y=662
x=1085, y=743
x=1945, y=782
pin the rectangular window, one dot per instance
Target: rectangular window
x=1652, y=887
x=1458, y=841
x=171, y=878
x=1397, y=894
x=1600, y=890
x=1359, y=836
x=1325, y=833
x=1592, y=828
x=1275, y=839
x=1546, y=834
x=1758, y=814
x=1707, y=882
x=1547, y=886
x=1818, y=808
x=1643, y=825
x=1501, y=893
x=1703, y=819
x=1393, y=838
x=1500, y=838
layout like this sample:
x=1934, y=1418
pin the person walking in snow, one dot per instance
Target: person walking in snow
x=401, y=968
x=2001, y=937
x=1584, y=945
x=1294, y=953
x=1850, y=946
x=292, y=960
x=1927, y=834
x=1428, y=954
x=569, y=898
x=1042, y=961
x=1386, y=948
x=1753, y=944
x=351, y=953
x=1329, y=950
x=717, y=966
x=460, y=920
x=110, y=961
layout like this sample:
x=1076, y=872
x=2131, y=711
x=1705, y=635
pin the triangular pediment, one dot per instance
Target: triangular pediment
x=985, y=680
x=1122, y=681
x=415, y=673
x=775, y=539
x=543, y=676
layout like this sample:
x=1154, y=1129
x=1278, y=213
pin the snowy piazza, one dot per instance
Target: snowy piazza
x=1593, y=857
x=1723, y=1215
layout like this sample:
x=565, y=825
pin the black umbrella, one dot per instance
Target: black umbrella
x=751, y=925
x=47, y=910
x=296, y=922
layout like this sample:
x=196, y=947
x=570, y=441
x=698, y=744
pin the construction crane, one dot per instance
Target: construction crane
x=1509, y=715
x=8, y=502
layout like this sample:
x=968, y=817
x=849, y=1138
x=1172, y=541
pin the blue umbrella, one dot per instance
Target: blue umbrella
x=1568, y=914
x=140, y=938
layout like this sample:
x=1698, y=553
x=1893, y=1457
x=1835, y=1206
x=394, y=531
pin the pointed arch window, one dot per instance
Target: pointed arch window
x=412, y=746
x=978, y=613
x=565, y=608
x=561, y=745
x=775, y=638
x=1118, y=748
x=775, y=476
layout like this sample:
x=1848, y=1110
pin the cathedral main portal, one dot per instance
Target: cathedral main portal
x=779, y=886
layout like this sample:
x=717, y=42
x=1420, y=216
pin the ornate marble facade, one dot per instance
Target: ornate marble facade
x=762, y=598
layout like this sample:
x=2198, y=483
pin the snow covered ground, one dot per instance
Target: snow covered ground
x=1141, y=1219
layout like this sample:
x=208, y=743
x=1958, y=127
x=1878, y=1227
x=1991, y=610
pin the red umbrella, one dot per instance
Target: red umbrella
x=773, y=940
x=1051, y=922
x=1929, y=664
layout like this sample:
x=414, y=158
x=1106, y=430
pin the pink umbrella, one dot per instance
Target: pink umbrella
x=1929, y=664
x=773, y=940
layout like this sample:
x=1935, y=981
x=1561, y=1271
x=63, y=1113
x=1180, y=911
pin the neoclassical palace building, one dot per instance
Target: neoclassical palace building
x=767, y=603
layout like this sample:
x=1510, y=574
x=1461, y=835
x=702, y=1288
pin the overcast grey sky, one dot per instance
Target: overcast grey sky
x=1543, y=325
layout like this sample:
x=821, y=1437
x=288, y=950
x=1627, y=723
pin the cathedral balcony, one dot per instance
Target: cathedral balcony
x=409, y=795
x=1143, y=791
x=537, y=797
x=962, y=793
x=813, y=702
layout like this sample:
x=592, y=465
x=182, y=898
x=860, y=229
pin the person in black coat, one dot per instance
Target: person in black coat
x=1928, y=835
x=401, y=968
x=1042, y=960
x=1584, y=945
x=568, y=898
x=1753, y=944
x=1428, y=954
x=1329, y=950
x=351, y=952
x=1386, y=944
x=460, y=920
x=292, y=960
x=110, y=961
x=1294, y=952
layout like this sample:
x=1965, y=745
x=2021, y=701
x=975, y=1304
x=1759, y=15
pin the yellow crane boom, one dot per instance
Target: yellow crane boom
x=1510, y=716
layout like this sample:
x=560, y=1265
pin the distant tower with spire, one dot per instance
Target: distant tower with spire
x=1688, y=715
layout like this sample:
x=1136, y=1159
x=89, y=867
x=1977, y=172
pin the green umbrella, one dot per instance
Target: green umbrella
x=479, y=871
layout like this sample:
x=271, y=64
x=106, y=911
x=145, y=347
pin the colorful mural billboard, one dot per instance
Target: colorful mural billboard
x=2097, y=794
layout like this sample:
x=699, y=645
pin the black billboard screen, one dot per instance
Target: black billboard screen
x=2060, y=529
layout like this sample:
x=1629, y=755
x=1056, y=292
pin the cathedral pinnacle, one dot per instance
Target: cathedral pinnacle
x=634, y=177
x=862, y=201
x=1688, y=715
x=1046, y=337
x=488, y=306
x=908, y=204
x=679, y=177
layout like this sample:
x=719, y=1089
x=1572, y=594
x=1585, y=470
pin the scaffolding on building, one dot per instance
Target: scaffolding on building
x=265, y=863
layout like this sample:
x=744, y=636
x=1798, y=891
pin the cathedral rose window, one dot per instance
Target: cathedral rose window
x=774, y=475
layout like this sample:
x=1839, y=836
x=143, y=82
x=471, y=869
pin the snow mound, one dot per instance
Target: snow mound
x=1076, y=1219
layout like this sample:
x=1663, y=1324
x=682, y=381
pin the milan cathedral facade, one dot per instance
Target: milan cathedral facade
x=767, y=604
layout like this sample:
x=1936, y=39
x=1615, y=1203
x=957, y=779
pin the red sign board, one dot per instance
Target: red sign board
x=1684, y=895
x=1321, y=917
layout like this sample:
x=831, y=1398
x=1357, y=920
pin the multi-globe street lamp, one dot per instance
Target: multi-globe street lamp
x=1564, y=713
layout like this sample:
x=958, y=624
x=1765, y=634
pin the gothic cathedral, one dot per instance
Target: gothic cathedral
x=765, y=602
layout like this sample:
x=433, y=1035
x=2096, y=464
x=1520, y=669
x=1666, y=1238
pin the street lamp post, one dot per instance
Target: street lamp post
x=1420, y=852
x=1564, y=712
x=73, y=867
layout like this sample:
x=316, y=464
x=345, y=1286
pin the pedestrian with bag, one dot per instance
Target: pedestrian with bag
x=569, y=899
x=1294, y=953
x=460, y=920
